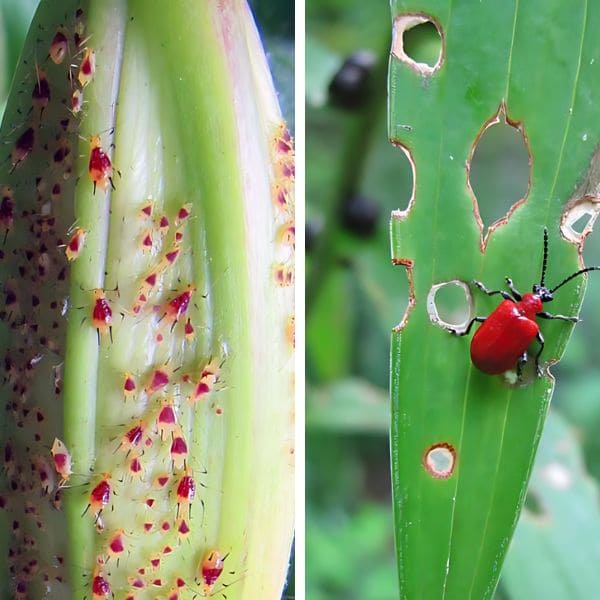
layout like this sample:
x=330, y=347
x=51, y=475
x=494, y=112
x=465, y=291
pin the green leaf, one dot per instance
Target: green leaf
x=554, y=552
x=541, y=60
x=350, y=405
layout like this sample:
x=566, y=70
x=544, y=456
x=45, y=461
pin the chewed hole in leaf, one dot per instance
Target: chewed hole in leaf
x=499, y=170
x=578, y=219
x=418, y=41
x=439, y=460
x=450, y=304
x=402, y=213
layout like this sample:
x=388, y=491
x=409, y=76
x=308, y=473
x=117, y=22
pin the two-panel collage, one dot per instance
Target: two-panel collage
x=298, y=300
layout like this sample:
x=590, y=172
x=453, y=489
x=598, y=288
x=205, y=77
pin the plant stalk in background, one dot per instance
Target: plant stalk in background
x=147, y=325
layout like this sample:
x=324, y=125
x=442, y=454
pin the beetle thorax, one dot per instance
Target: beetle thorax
x=531, y=305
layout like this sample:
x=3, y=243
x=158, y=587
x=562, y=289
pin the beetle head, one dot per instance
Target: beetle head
x=542, y=292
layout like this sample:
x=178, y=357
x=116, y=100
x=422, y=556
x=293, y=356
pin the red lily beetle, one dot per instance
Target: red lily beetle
x=501, y=342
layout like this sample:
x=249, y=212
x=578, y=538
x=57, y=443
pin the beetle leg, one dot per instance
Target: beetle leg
x=540, y=338
x=466, y=331
x=520, y=364
x=504, y=294
x=511, y=287
x=546, y=315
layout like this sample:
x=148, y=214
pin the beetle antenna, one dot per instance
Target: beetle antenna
x=545, y=261
x=573, y=276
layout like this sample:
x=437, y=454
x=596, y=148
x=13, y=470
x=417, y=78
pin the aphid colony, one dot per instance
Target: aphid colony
x=282, y=195
x=41, y=241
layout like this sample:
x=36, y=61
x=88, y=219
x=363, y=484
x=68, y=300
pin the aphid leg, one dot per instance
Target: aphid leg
x=94, y=188
x=504, y=294
x=112, y=185
x=513, y=290
x=540, y=338
x=520, y=364
x=546, y=315
x=466, y=331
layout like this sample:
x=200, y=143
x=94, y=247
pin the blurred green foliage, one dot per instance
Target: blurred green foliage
x=353, y=303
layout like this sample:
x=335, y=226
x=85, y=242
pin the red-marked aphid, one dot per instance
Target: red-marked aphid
x=22, y=148
x=189, y=331
x=99, y=496
x=75, y=244
x=7, y=210
x=211, y=568
x=147, y=210
x=208, y=379
x=135, y=467
x=146, y=241
x=76, y=101
x=283, y=275
x=166, y=420
x=116, y=544
x=40, y=95
x=59, y=47
x=179, y=450
x=182, y=527
x=62, y=460
x=501, y=342
x=290, y=330
x=158, y=380
x=100, y=586
x=133, y=437
x=129, y=385
x=175, y=308
x=186, y=490
x=87, y=67
x=100, y=168
x=286, y=234
x=183, y=213
x=161, y=480
x=102, y=314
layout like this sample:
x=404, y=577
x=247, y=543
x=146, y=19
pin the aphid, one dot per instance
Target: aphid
x=290, y=330
x=146, y=241
x=166, y=420
x=210, y=569
x=283, y=275
x=7, y=209
x=23, y=147
x=87, y=67
x=286, y=234
x=208, y=379
x=158, y=380
x=99, y=496
x=176, y=307
x=147, y=209
x=133, y=437
x=75, y=245
x=188, y=330
x=179, y=450
x=129, y=385
x=100, y=586
x=100, y=167
x=183, y=213
x=101, y=314
x=186, y=490
x=76, y=101
x=116, y=544
x=182, y=527
x=501, y=342
x=62, y=460
x=40, y=95
x=58, y=47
